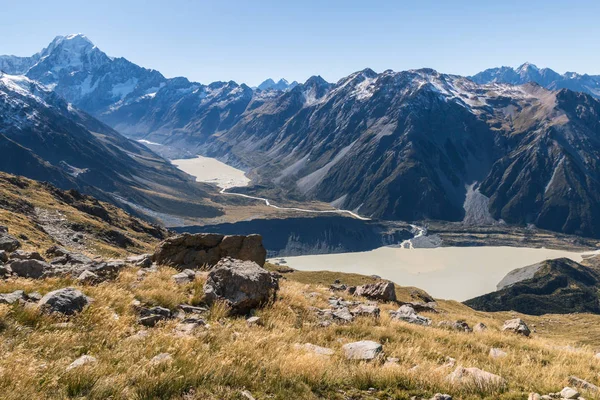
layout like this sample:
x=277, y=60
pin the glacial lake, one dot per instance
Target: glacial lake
x=456, y=273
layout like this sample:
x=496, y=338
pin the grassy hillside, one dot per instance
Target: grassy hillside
x=222, y=361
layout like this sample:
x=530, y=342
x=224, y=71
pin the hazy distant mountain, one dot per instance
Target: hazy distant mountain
x=543, y=76
x=45, y=138
x=282, y=84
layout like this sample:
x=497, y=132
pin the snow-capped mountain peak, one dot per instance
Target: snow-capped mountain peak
x=527, y=66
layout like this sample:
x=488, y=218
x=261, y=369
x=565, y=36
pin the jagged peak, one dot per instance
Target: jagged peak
x=526, y=66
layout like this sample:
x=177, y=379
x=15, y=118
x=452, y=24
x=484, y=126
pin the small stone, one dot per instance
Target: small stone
x=185, y=276
x=407, y=314
x=253, y=321
x=569, y=393
x=364, y=350
x=247, y=395
x=534, y=396
x=497, y=353
x=342, y=315
x=366, y=310
x=322, y=351
x=88, y=277
x=81, y=361
x=480, y=327
x=162, y=358
x=474, y=376
x=186, y=308
x=440, y=396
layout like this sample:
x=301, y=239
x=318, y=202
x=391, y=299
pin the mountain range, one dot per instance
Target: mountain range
x=518, y=146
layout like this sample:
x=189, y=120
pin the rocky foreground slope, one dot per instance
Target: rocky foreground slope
x=77, y=326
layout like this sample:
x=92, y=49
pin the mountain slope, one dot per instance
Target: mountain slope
x=553, y=286
x=45, y=138
x=545, y=77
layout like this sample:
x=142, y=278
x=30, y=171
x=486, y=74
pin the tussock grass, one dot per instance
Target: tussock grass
x=230, y=356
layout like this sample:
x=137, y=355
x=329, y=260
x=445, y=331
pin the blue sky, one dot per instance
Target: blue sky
x=248, y=41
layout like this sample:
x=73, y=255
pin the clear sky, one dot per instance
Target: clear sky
x=248, y=41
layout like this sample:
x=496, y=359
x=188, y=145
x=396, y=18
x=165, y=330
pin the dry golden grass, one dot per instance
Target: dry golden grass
x=221, y=361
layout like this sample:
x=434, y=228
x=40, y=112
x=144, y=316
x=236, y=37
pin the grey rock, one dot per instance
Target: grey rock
x=8, y=242
x=497, y=353
x=407, y=314
x=253, y=321
x=366, y=310
x=3, y=256
x=312, y=348
x=569, y=393
x=88, y=277
x=81, y=361
x=364, y=350
x=243, y=285
x=440, y=396
x=583, y=384
x=517, y=326
x=481, y=379
x=5, y=271
x=14, y=297
x=30, y=268
x=186, y=308
x=480, y=327
x=197, y=250
x=460, y=325
x=142, y=260
x=342, y=315
x=162, y=358
x=185, y=276
x=66, y=301
x=26, y=255
x=382, y=291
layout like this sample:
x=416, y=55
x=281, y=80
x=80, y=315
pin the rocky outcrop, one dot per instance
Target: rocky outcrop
x=206, y=249
x=65, y=301
x=381, y=291
x=243, y=285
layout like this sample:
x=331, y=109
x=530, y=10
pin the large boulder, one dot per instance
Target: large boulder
x=189, y=251
x=243, y=285
x=382, y=291
x=26, y=255
x=66, y=301
x=517, y=326
x=30, y=268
